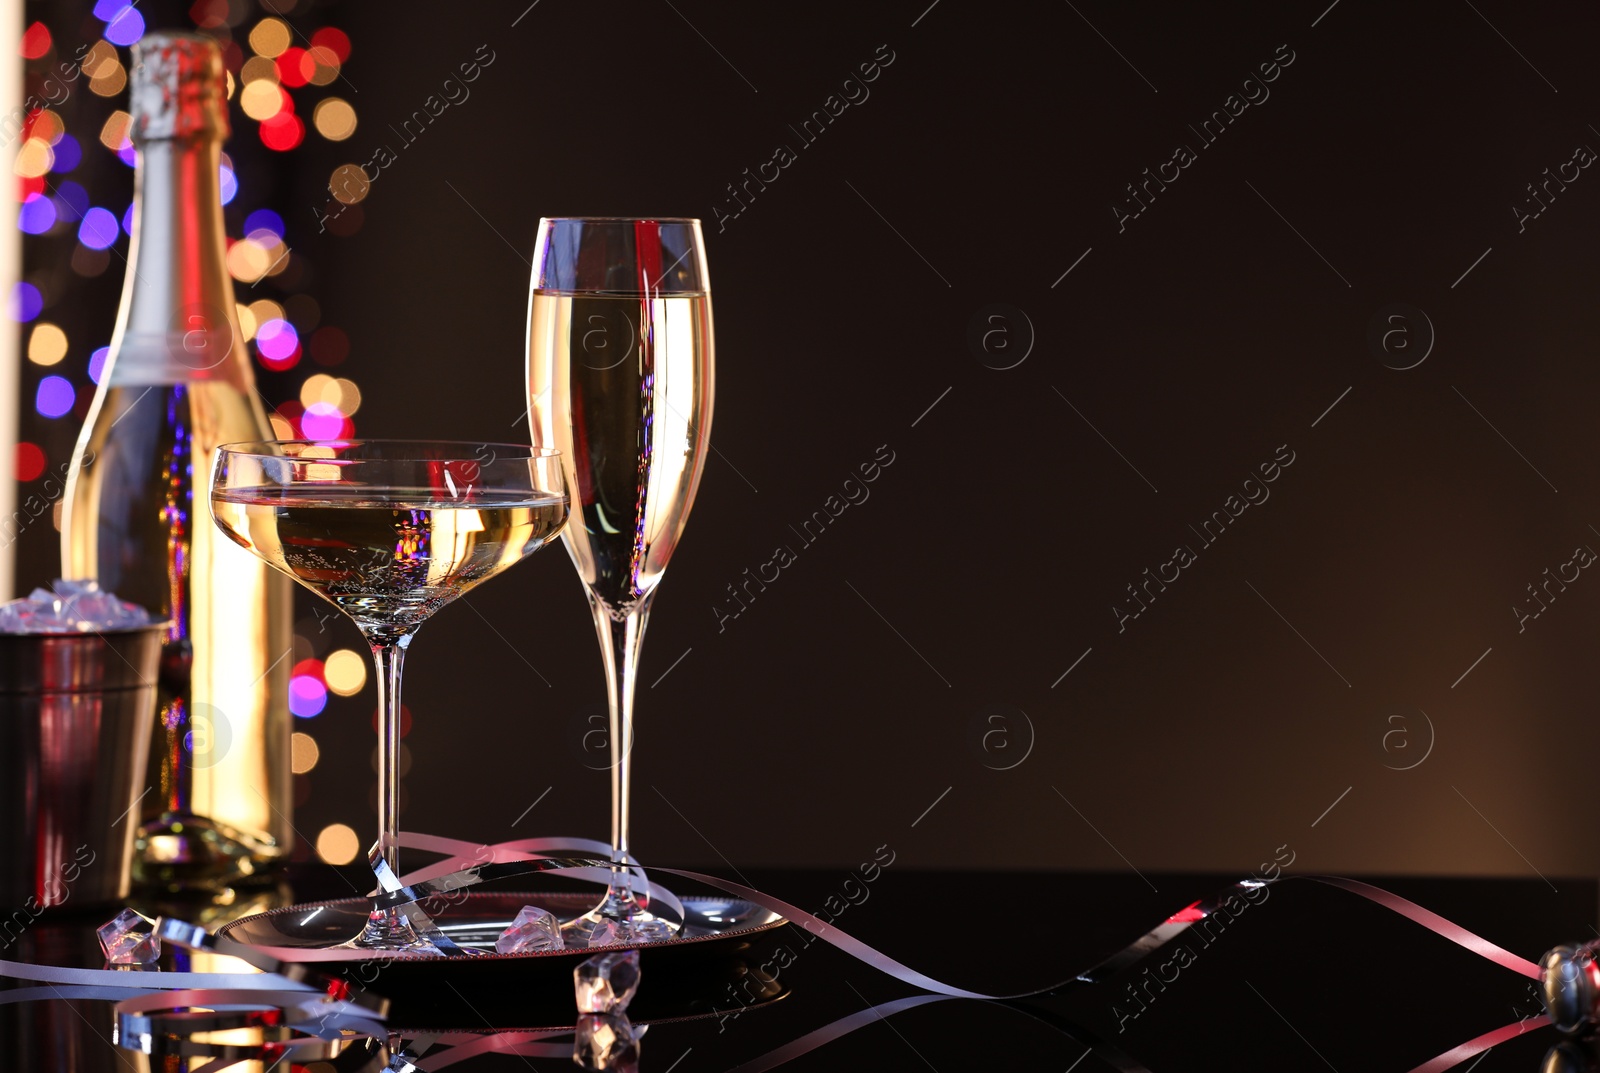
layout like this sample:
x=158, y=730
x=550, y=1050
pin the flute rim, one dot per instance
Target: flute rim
x=620, y=219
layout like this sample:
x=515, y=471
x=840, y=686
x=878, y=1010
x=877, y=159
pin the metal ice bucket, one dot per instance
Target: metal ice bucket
x=76, y=713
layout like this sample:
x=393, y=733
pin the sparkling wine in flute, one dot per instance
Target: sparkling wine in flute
x=629, y=407
x=387, y=557
x=620, y=380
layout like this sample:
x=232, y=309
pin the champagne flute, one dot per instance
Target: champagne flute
x=388, y=531
x=620, y=381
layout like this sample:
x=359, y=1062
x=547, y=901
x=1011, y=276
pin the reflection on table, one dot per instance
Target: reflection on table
x=1310, y=977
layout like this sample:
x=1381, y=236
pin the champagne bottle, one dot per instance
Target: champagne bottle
x=176, y=384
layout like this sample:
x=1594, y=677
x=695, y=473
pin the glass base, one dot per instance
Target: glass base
x=618, y=919
x=177, y=852
x=388, y=929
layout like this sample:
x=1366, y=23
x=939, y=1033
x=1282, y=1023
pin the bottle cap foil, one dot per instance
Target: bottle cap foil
x=178, y=88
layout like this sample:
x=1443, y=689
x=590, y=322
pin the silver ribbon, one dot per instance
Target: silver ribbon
x=322, y=1011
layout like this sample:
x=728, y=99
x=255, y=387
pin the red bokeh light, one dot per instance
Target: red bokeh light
x=334, y=40
x=282, y=132
x=308, y=668
x=30, y=461
x=35, y=41
x=289, y=68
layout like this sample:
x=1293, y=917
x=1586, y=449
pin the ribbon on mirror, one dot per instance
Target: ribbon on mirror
x=459, y=871
x=468, y=866
x=316, y=1009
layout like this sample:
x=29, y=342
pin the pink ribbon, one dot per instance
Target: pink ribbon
x=460, y=869
x=1435, y=923
x=1456, y=1055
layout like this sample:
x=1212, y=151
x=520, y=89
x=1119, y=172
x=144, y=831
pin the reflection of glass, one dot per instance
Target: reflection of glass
x=620, y=380
x=1571, y=1056
x=389, y=531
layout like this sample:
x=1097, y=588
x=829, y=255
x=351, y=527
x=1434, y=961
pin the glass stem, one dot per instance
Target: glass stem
x=388, y=657
x=389, y=929
x=621, y=635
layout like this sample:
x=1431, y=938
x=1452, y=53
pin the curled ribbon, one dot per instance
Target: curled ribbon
x=524, y=853
x=316, y=1011
x=517, y=857
x=162, y=1024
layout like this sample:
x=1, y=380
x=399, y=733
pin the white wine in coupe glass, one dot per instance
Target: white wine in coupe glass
x=620, y=381
x=389, y=532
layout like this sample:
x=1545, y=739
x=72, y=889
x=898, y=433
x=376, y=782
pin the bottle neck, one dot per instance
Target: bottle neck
x=177, y=321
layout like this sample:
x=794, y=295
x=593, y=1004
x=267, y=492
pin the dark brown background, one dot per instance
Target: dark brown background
x=859, y=687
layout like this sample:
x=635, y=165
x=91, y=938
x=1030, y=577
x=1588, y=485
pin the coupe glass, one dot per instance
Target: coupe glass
x=620, y=381
x=388, y=531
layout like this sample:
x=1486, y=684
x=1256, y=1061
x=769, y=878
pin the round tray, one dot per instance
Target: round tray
x=715, y=966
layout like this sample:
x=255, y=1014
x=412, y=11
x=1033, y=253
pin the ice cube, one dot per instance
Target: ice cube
x=74, y=607
x=533, y=930
x=607, y=1041
x=607, y=982
x=129, y=939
